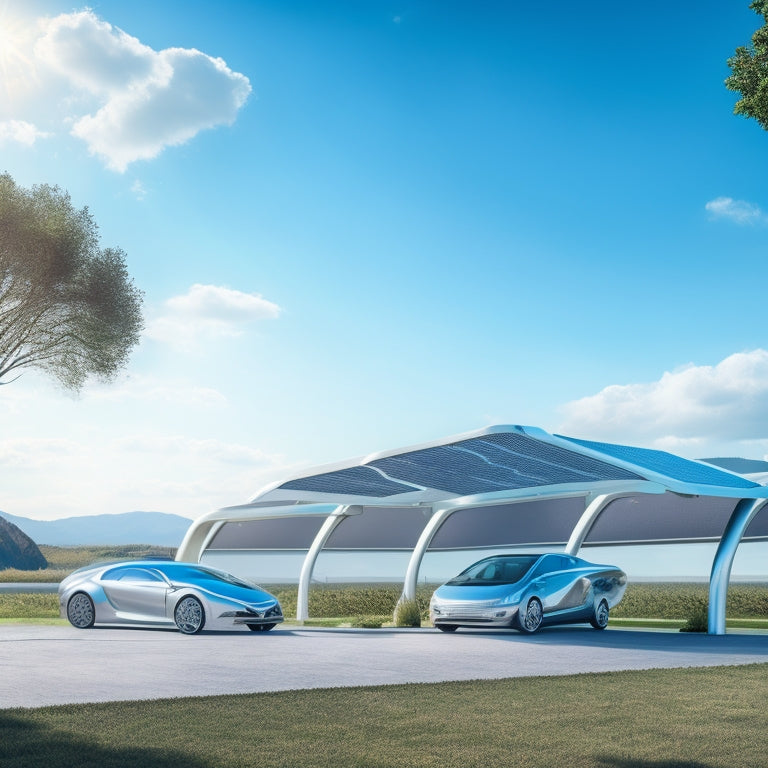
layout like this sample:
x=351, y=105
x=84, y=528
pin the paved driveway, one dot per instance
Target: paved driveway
x=41, y=665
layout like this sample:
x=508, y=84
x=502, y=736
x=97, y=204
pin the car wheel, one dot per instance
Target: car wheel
x=530, y=619
x=260, y=627
x=80, y=611
x=189, y=615
x=446, y=627
x=600, y=619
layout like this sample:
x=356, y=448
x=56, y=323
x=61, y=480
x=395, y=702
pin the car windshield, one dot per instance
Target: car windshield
x=203, y=572
x=508, y=569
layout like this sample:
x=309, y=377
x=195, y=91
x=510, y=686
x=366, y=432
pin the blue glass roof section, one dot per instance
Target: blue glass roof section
x=667, y=464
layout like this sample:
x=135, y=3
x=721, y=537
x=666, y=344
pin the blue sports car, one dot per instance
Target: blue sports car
x=526, y=592
x=165, y=593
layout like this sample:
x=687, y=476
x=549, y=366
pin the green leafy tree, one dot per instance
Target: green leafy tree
x=749, y=66
x=67, y=306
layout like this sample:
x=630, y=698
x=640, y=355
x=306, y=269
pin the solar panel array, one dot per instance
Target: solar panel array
x=494, y=462
x=354, y=481
x=668, y=464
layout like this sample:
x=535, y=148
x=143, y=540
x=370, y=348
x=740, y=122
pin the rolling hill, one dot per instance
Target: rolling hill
x=154, y=528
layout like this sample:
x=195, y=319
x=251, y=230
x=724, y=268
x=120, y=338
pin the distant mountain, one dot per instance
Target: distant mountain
x=742, y=466
x=155, y=528
x=17, y=550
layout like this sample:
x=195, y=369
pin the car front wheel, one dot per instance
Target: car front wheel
x=189, y=615
x=80, y=611
x=600, y=619
x=529, y=619
x=446, y=627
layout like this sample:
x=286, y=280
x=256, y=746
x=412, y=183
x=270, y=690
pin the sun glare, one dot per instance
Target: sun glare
x=15, y=40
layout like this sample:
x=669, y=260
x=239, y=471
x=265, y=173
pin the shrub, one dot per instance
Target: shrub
x=698, y=620
x=407, y=614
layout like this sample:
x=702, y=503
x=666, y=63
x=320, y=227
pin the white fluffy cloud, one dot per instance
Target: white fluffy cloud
x=145, y=100
x=690, y=410
x=21, y=132
x=209, y=312
x=738, y=211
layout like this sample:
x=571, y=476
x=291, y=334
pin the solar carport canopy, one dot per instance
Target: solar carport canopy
x=507, y=461
x=499, y=465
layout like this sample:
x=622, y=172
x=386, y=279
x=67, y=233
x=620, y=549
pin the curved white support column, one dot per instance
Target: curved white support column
x=191, y=548
x=589, y=517
x=302, y=603
x=738, y=523
x=412, y=573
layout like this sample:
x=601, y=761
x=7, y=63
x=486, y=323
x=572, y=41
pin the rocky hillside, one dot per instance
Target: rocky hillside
x=17, y=550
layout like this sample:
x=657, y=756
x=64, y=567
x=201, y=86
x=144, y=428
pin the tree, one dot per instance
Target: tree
x=749, y=66
x=67, y=306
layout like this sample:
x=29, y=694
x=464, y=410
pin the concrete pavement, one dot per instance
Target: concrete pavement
x=42, y=665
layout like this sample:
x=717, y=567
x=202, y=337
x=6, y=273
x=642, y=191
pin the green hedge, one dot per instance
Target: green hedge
x=679, y=601
x=641, y=601
x=29, y=606
x=335, y=600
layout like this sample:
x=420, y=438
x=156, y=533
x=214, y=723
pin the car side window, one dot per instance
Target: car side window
x=544, y=566
x=130, y=574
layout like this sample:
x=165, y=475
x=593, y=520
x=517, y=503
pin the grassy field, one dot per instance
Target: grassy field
x=63, y=560
x=687, y=718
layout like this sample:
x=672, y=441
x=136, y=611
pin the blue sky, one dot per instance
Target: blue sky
x=363, y=225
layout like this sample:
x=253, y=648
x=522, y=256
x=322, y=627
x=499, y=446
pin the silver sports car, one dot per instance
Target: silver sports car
x=528, y=591
x=164, y=593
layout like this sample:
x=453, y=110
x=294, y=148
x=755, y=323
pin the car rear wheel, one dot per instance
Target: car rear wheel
x=600, y=619
x=80, y=611
x=260, y=627
x=189, y=615
x=529, y=620
x=446, y=627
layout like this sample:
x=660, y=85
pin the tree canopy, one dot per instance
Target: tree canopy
x=749, y=66
x=67, y=306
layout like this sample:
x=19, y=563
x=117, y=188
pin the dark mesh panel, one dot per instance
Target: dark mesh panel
x=663, y=517
x=380, y=528
x=273, y=533
x=759, y=524
x=529, y=522
x=668, y=464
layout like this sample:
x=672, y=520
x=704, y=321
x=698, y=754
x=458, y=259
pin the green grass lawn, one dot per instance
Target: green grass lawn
x=686, y=718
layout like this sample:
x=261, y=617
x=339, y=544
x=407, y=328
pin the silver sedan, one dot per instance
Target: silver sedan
x=528, y=591
x=165, y=593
